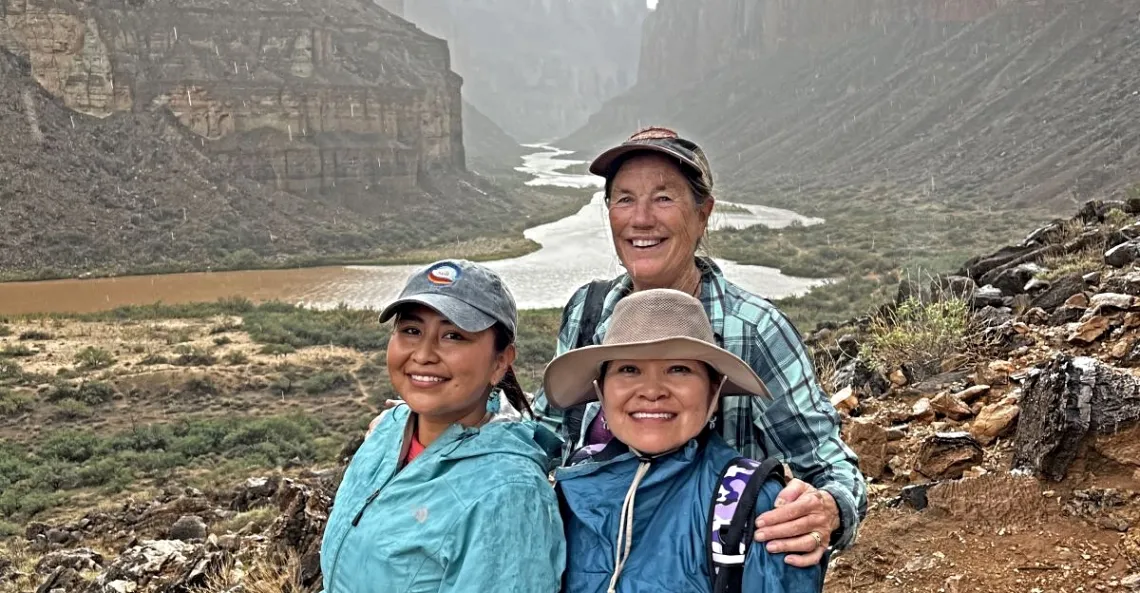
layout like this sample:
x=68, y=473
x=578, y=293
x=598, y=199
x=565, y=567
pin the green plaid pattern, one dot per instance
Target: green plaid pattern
x=799, y=426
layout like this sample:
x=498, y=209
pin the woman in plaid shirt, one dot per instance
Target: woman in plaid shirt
x=659, y=196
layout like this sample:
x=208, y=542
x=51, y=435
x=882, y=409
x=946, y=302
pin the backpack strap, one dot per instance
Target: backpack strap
x=588, y=324
x=730, y=518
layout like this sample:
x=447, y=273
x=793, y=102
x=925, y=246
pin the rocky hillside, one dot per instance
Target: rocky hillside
x=538, y=68
x=995, y=412
x=1017, y=103
x=339, y=125
x=81, y=194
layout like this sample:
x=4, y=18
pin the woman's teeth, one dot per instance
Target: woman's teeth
x=646, y=242
x=427, y=379
x=653, y=416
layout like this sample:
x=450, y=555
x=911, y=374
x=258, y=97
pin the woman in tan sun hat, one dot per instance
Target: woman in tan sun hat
x=667, y=504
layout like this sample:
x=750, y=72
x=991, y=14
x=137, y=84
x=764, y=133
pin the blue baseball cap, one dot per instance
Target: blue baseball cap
x=469, y=295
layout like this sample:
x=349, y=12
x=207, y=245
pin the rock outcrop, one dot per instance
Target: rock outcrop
x=538, y=68
x=1017, y=102
x=338, y=98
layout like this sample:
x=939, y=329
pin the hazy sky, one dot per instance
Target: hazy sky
x=652, y=4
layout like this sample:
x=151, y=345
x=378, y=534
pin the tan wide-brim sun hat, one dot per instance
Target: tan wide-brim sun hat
x=658, y=324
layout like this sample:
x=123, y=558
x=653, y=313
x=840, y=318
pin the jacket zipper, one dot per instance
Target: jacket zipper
x=367, y=501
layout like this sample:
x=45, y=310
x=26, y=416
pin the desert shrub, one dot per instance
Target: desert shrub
x=194, y=356
x=14, y=403
x=16, y=351
x=326, y=381
x=92, y=358
x=917, y=332
x=235, y=357
x=35, y=334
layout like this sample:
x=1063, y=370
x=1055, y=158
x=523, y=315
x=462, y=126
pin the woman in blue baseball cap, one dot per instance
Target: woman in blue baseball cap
x=449, y=491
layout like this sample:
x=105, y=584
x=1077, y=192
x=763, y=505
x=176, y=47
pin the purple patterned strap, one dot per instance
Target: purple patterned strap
x=732, y=483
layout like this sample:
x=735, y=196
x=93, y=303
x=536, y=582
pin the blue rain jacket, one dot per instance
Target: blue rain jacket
x=473, y=512
x=670, y=524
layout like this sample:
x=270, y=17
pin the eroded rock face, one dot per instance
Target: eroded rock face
x=313, y=97
x=1072, y=398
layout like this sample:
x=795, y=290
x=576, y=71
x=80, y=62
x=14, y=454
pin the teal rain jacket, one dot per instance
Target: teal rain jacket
x=473, y=512
x=669, y=551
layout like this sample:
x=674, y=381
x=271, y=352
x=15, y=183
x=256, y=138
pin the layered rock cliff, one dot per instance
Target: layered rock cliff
x=339, y=98
x=538, y=68
x=1026, y=103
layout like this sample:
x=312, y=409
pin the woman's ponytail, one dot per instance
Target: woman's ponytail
x=514, y=392
x=510, y=383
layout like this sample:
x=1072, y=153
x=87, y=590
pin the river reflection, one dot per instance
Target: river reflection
x=574, y=250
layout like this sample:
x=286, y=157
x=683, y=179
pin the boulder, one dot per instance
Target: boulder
x=922, y=411
x=1090, y=330
x=1111, y=302
x=1058, y=292
x=1070, y=399
x=81, y=559
x=1013, y=280
x=845, y=400
x=1123, y=255
x=1065, y=315
x=987, y=296
x=953, y=287
x=995, y=420
x=969, y=394
x=862, y=378
x=949, y=406
x=870, y=443
x=188, y=528
x=944, y=456
x=1127, y=283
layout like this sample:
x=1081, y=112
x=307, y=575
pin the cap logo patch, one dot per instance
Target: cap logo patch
x=654, y=133
x=443, y=274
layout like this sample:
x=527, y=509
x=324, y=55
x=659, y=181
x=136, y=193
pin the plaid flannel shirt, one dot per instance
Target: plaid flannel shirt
x=799, y=426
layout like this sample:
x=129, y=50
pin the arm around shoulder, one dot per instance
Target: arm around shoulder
x=511, y=539
x=765, y=572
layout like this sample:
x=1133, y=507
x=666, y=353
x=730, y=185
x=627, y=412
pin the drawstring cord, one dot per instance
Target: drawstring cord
x=625, y=528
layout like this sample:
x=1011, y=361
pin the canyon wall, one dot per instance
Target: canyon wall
x=1021, y=103
x=337, y=97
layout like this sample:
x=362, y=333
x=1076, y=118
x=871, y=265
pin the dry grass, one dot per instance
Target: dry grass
x=918, y=333
x=251, y=521
x=23, y=560
x=275, y=573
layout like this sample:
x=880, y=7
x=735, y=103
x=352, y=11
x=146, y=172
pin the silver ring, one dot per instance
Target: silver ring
x=818, y=539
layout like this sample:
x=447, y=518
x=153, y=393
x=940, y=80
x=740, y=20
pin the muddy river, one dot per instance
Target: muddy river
x=574, y=250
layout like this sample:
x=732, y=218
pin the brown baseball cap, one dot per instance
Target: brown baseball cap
x=655, y=139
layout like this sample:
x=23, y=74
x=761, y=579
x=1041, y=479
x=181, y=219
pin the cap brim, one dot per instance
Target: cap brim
x=463, y=315
x=568, y=379
x=603, y=164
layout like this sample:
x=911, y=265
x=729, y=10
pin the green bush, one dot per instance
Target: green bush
x=223, y=341
x=326, y=381
x=917, y=333
x=14, y=403
x=10, y=369
x=235, y=357
x=70, y=409
x=201, y=385
x=5, y=331
x=277, y=349
x=92, y=358
x=15, y=351
x=194, y=356
x=153, y=359
x=35, y=334
x=40, y=476
x=91, y=393
x=299, y=328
